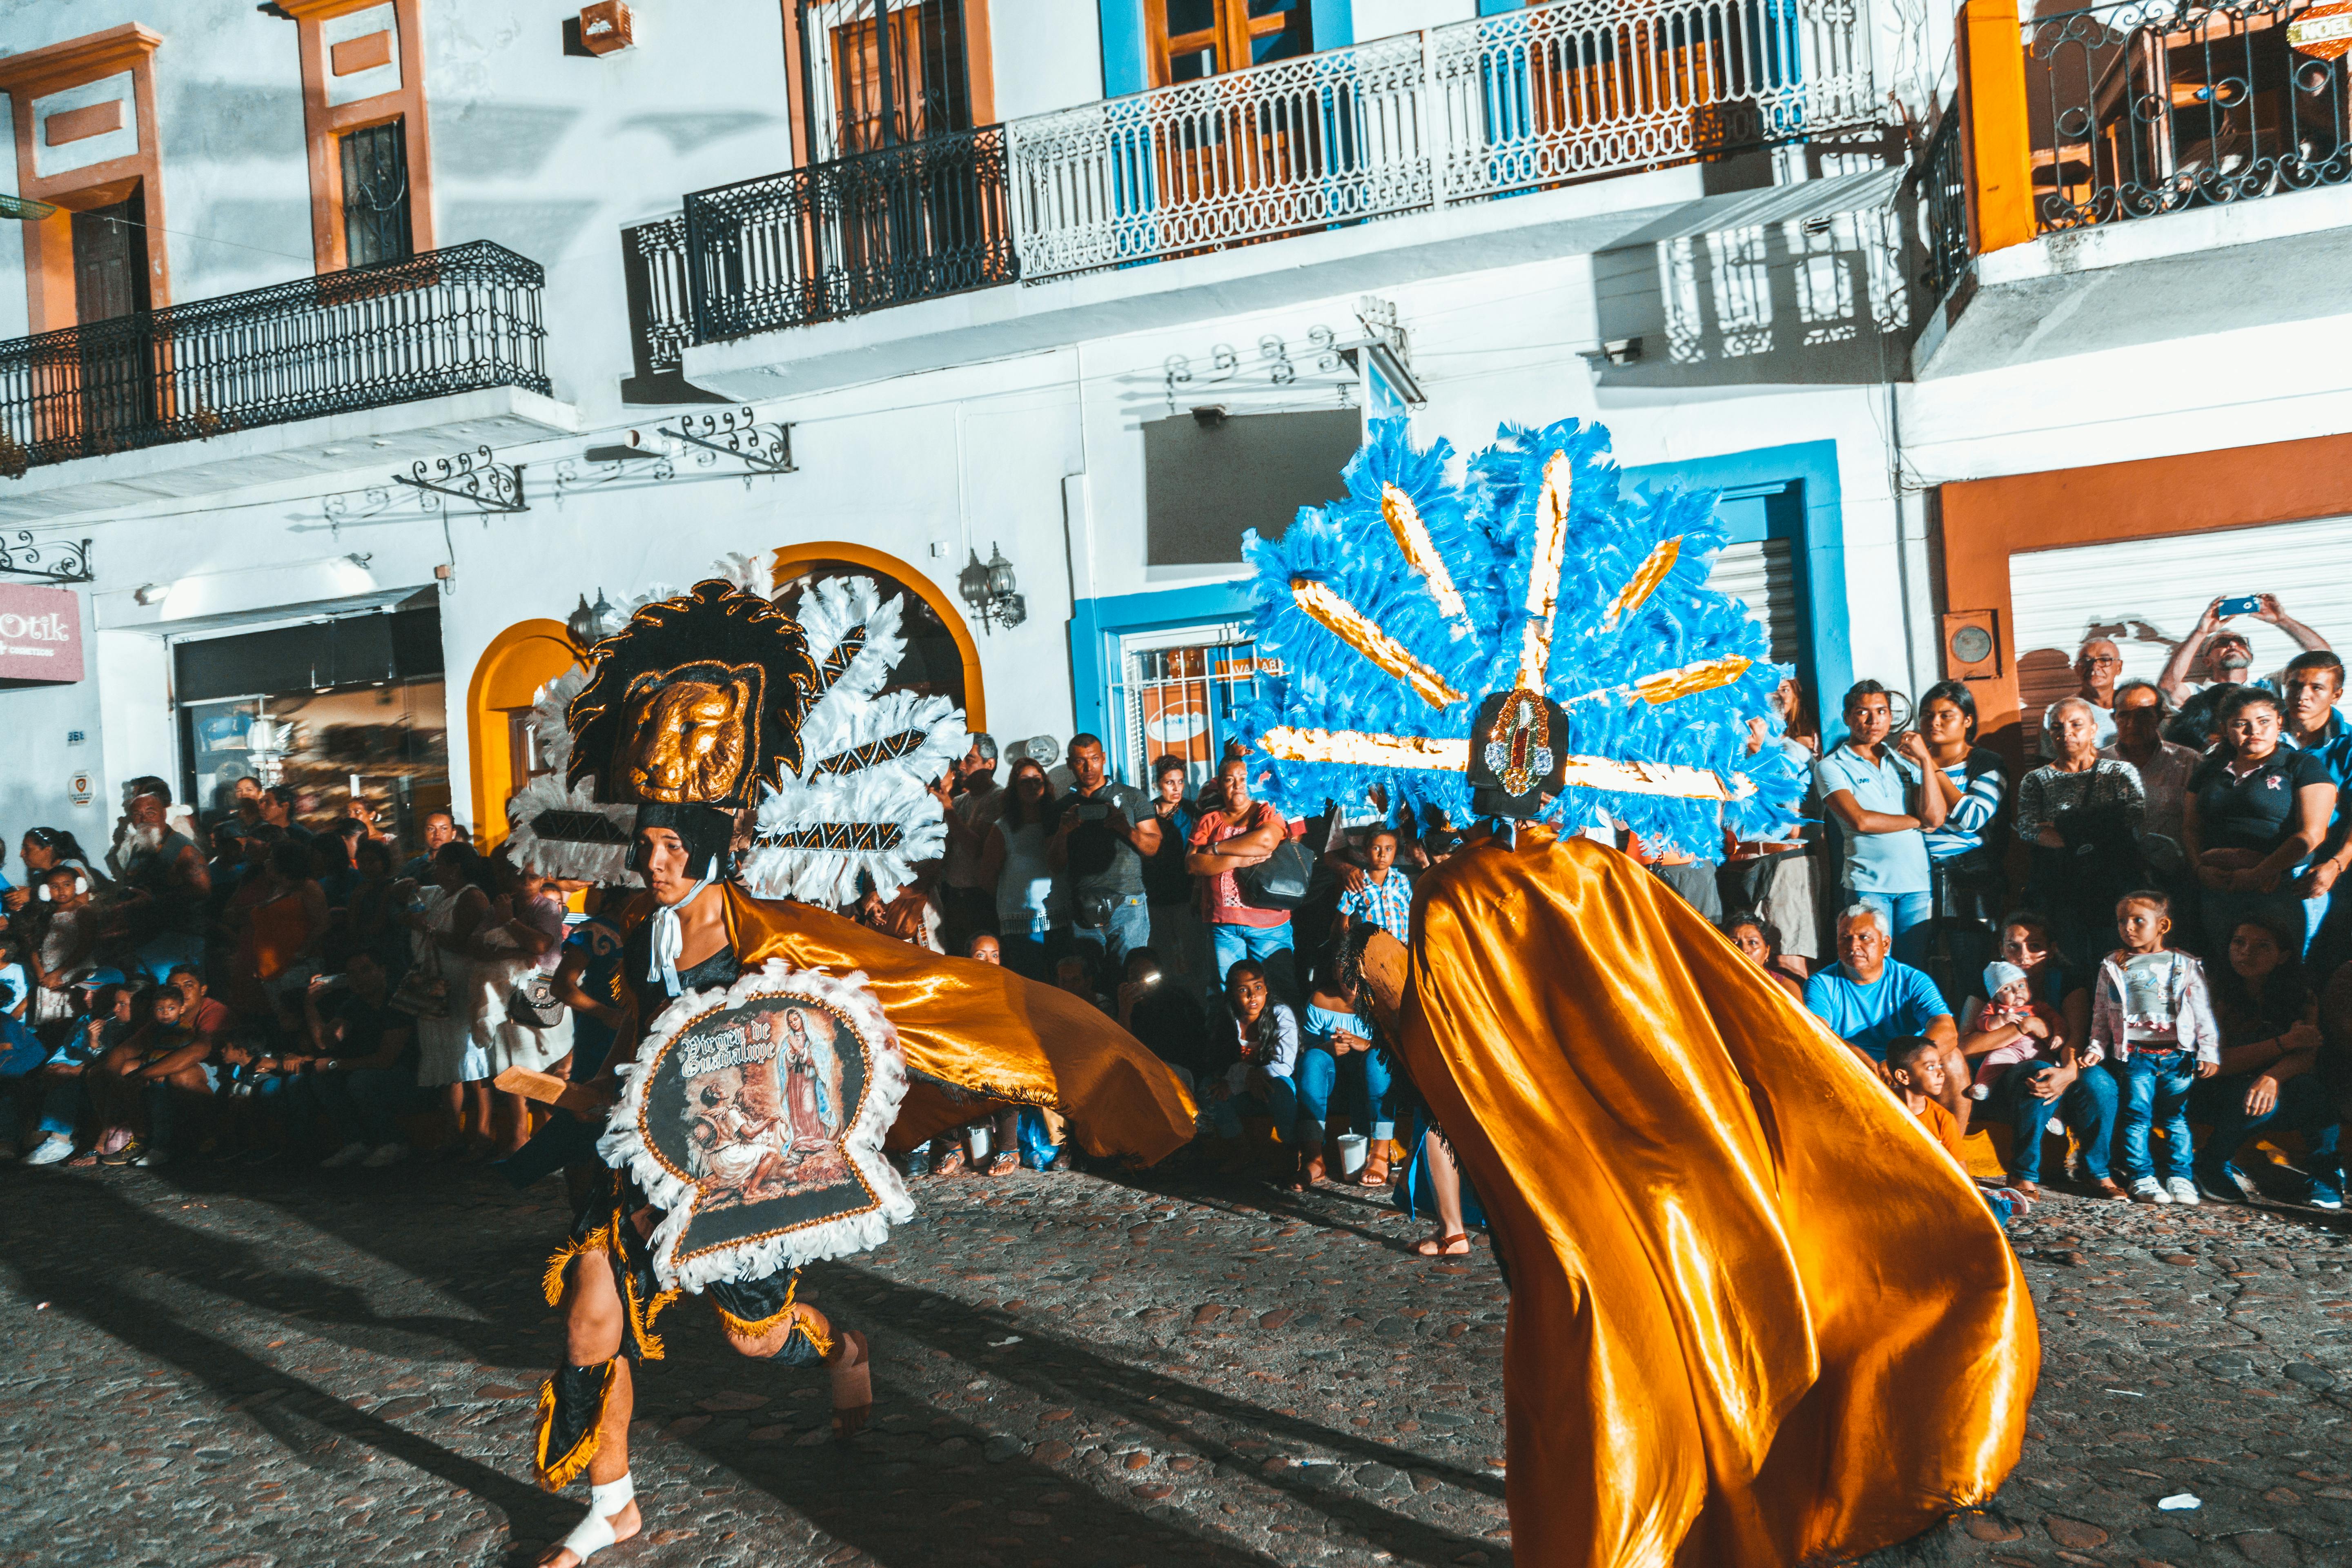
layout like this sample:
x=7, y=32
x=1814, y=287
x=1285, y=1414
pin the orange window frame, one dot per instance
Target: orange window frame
x=49, y=242
x=324, y=124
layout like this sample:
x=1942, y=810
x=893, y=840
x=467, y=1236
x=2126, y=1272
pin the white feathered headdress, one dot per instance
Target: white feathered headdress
x=861, y=801
x=860, y=804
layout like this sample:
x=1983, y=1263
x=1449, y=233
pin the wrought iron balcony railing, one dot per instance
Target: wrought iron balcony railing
x=1943, y=206
x=447, y=322
x=1476, y=110
x=1507, y=103
x=2159, y=105
x=887, y=228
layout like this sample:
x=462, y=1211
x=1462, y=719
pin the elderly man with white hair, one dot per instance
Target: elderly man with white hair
x=1870, y=1000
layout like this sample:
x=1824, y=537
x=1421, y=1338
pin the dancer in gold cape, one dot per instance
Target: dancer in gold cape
x=1758, y=1319
x=1758, y=1316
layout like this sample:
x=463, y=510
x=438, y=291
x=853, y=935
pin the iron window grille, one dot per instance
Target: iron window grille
x=375, y=194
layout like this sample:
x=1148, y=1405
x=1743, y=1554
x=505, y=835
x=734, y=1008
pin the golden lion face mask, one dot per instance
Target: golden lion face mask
x=686, y=732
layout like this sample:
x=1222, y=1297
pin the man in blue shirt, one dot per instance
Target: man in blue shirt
x=2309, y=689
x=1877, y=798
x=1869, y=1001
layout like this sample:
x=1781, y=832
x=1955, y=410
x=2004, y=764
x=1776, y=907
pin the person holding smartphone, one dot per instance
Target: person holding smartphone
x=2228, y=655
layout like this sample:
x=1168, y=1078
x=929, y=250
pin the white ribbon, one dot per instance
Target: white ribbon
x=667, y=940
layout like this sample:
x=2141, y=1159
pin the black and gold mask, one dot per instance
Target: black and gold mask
x=695, y=702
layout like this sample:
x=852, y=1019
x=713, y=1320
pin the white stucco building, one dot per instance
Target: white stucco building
x=1096, y=285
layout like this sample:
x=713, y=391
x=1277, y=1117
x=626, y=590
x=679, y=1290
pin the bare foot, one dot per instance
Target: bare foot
x=1443, y=1245
x=853, y=1385
x=625, y=1523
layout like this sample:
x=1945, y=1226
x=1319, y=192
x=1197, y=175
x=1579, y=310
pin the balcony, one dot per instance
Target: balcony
x=403, y=360
x=2126, y=148
x=1539, y=99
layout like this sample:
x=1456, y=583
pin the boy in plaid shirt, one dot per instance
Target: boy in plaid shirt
x=1383, y=894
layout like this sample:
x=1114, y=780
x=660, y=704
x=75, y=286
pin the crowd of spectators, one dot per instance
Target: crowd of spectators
x=2137, y=938
x=2136, y=933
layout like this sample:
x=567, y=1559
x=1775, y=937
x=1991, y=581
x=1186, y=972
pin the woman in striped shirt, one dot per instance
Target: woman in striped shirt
x=1968, y=885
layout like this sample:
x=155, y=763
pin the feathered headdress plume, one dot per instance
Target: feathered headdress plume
x=1393, y=612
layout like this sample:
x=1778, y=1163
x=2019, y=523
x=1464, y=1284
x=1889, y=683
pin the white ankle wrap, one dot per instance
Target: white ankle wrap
x=594, y=1533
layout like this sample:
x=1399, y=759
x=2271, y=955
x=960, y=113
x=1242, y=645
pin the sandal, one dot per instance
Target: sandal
x=949, y=1163
x=853, y=1379
x=1443, y=1245
x=1003, y=1162
x=1375, y=1173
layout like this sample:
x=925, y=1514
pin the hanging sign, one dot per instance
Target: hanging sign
x=40, y=634
x=2323, y=32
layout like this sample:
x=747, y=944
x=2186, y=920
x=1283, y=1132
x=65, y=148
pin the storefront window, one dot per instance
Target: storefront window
x=386, y=747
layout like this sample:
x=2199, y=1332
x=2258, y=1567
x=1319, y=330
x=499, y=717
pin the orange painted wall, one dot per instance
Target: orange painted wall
x=1985, y=521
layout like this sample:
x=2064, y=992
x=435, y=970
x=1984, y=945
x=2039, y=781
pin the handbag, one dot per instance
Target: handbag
x=424, y=991
x=1279, y=881
x=532, y=1002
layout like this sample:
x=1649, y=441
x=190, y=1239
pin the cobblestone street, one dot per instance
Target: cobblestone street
x=206, y=1368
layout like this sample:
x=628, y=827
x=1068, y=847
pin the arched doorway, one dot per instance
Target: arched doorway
x=941, y=658
x=507, y=679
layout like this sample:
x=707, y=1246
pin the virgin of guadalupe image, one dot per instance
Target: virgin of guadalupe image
x=811, y=1069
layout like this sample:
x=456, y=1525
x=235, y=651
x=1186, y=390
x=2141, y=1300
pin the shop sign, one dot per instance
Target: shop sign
x=2323, y=31
x=40, y=634
x=79, y=791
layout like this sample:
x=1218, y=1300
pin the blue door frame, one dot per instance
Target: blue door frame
x=1788, y=493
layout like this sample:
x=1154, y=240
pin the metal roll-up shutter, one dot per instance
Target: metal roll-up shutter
x=1762, y=575
x=2144, y=595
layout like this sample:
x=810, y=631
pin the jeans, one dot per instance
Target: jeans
x=1907, y=917
x=1129, y=928
x=2302, y=1106
x=2223, y=910
x=1370, y=1073
x=1234, y=942
x=362, y=1104
x=1313, y=1076
x=2156, y=1090
x=2087, y=1107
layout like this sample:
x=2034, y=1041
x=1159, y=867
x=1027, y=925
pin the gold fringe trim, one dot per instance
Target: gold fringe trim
x=551, y=1283
x=641, y=1317
x=1352, y=626
x=1543, y=573
x=821, y=1341
x=1643, y=583
x=567, y=1467
x=744, y=1328
x=1420, y=553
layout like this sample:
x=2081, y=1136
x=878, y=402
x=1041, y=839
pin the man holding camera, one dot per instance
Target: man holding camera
x=2229, y=658
x=1108, y=831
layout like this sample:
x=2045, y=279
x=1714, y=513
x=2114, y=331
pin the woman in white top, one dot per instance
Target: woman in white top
x=519, y=942
x=453, y=1048
x=1033, y=905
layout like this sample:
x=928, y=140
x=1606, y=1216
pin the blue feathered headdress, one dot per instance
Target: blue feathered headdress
x=1393, y=610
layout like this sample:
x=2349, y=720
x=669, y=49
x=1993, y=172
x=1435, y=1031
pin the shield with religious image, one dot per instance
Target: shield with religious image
x=755, y=1116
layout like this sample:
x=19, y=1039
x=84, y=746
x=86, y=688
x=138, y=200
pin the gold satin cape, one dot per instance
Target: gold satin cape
x=980, y=1027
x=1758, y=1315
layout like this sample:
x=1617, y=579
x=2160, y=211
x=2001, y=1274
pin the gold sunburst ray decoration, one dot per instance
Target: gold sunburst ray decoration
x=1666, y=685
x=1351, y=625
x=1643, y=583
x=1421, y=554
x=1359, y=748
x=1543, y=571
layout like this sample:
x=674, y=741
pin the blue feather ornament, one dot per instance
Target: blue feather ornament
x=1460, y=619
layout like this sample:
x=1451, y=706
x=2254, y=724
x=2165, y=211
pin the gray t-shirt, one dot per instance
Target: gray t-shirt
x=1101, y=862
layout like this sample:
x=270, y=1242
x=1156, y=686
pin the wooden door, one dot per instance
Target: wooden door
x=113, y=367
